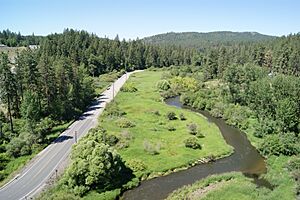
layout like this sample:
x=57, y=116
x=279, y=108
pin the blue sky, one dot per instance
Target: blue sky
x=133, y=18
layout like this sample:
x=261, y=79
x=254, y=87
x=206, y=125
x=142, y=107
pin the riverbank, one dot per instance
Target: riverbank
x=282, y=179
x=236, y=186
x=153, y=141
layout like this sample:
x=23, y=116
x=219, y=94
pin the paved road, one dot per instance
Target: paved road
x=44, y=165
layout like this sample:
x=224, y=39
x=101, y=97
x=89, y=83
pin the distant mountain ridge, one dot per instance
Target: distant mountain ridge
x=198, y=39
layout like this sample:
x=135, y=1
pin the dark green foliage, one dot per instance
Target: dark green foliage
x=171, y=115
x=112, y=140
x=192, y=142
x=103, y=171
x=285, y=144
x=204, y=40
x=12, y=39
x=265, y=126
x=3, y=161
x=21, y=145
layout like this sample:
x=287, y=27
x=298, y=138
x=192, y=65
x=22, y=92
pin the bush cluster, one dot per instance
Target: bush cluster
x=151, y=148
x=136, y=165
x=129, y=87
x=113, y=110
x=193, y=143
x=125, y=123
x=171, y=115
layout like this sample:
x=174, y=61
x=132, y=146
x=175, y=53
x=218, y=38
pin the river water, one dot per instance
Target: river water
x=245, y=159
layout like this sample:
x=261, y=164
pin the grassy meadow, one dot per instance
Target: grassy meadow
x=236, y=186
x=151, y=129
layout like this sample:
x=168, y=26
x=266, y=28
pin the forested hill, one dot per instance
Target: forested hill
x=195, y=39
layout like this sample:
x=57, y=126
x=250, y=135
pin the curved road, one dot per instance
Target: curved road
x=34, y=177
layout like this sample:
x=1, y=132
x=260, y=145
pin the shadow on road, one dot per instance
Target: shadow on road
x=84, y=116
x=62, y=138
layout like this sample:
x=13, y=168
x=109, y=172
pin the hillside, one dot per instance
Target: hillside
x=195, y=39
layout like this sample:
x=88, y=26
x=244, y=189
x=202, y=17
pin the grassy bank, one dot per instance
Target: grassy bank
x=145, y=109
x=237, y=186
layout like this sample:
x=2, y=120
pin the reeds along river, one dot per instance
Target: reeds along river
x=245, y=159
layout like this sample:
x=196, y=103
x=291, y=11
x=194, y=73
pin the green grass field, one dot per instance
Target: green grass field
x=140, y=108
x=236, y=186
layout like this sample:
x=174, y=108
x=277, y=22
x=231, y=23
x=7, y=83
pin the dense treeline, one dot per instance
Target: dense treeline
x=99, y=55
x=206, y=40
x=43, y=87
x=278, y=56
x=12, y=39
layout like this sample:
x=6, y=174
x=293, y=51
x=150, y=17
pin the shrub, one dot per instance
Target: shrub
x=169, y=93
x=163, y=85
x=18, y=147
x=182, y=117
x=151, y=148
x=199, y=134
x=192, y=128
x=199, y=104
x=171, y=115
x=126, y=135
x=136, y=165
x=171, y=128
x=265, y=126
x=129, y=87
x=122, y=144
x=112, y=140
x=293, y=164
x=193, y=143
x=44, y=126
x=113, y=110
x=105, y=171
x=218, y=110
x=124, y=141
x=125, y=123
x=156, y=112
x=276, y=144
x=3, y=161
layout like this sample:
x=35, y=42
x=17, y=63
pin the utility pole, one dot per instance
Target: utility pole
x=55, y=173
x=113, y=90
x=75, y=136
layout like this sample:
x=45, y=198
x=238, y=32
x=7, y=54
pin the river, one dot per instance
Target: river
x=245, y=159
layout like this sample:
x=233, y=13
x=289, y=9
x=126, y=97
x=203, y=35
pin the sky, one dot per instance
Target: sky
x=140, y=18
